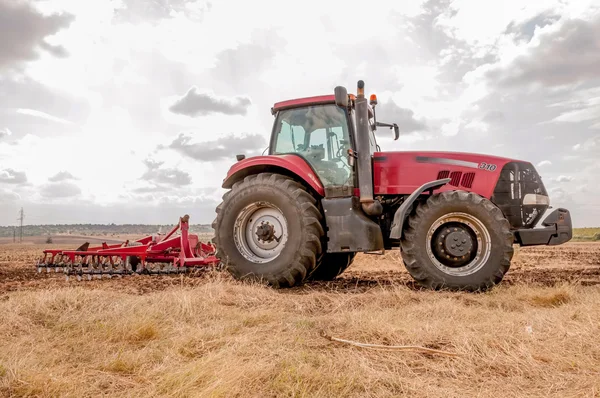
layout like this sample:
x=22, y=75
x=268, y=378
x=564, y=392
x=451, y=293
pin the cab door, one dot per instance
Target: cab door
x=321, y=135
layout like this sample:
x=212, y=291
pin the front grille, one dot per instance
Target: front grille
x=518, y=179
x=443, y=174
x=467, y=180
x=457, y=178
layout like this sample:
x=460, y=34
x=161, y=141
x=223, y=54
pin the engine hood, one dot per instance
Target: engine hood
x=402, y=172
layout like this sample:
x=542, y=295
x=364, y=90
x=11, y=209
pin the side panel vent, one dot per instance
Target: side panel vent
x=467, y=180
x=455, y=178
x=443, y=174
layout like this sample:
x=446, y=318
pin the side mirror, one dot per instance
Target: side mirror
x=341, y=96
x=393, y=125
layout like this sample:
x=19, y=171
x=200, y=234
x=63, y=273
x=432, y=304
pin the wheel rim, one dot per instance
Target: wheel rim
x=260, y=232
x=458, y=244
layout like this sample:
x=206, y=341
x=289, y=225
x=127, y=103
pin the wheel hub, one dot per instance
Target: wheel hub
x=458, y=242
x=260, y=232
x=265, y=232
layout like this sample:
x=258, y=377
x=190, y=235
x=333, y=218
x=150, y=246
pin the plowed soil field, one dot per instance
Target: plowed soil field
x=572, y=263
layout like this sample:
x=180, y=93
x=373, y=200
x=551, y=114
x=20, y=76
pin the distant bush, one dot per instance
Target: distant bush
x=596, y=237
x=49, y=240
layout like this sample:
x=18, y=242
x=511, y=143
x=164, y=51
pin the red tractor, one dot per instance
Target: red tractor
x=326, y=191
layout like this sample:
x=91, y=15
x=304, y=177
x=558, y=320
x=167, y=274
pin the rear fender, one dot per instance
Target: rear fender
x=291, y=165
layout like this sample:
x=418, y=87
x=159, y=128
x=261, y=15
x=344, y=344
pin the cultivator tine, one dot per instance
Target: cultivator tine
x=150, y=255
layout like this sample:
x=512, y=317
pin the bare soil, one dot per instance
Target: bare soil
x=573, y=263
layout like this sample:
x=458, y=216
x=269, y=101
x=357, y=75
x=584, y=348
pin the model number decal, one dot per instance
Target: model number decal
x=487, y=166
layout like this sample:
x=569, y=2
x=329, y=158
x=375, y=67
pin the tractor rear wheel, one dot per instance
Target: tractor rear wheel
x=268, y=229
x=331, y=266
x=457, y=240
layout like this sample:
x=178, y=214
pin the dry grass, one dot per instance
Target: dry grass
x=226, y=339
x=212, y=336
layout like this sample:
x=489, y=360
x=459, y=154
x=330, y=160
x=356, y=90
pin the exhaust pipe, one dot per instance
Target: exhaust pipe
x=369, y=205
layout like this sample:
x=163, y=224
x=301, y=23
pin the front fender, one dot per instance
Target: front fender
x=404, y=209
x=291, y=165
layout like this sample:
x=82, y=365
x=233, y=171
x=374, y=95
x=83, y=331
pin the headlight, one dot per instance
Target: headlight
x=535, y=199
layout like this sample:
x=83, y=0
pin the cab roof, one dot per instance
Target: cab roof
x=294, y=103
x=307, y=101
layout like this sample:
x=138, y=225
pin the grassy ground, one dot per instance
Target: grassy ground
x=212, y=336
x=586, y=234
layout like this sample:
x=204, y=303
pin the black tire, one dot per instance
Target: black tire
x=331, y=266
x=487, y=271
x=297, y=258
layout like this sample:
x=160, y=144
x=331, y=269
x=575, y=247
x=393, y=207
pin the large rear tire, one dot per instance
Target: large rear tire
x=331, y=266
x=457, y=240
x=268, y=229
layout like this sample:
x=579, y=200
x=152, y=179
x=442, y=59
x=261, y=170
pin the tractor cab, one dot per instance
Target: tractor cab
x=323, y=134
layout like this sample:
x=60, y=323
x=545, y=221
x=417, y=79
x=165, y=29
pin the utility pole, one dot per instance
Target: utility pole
x=14, y=234
x=21, y=217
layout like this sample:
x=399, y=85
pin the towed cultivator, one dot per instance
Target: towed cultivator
x=153, y=254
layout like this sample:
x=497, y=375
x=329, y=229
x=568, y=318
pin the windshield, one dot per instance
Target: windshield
x=319, y=134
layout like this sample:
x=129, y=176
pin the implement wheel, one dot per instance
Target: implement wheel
x=457, y=240
x=268, y=229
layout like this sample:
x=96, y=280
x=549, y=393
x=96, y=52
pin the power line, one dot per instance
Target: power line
x=21, y=217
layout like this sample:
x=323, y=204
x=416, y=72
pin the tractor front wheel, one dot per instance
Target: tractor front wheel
x=268, y=229
x=457, y=240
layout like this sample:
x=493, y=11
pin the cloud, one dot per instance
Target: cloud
x=570, y=54
x=524, y=31
x=562, y=178
x=9, y=196
x=150, y=189
x=35, y=100
x=136, y=11
x=494, y=117
x=222, y=148
x=167, y=176
x=240, y=66
x=61, y=176
x=195, y=103
x=43, y=115
x=592, y=143
x=11, y=176
x=63, y=189
x=24, y=31
x=450, y=129
x=544, y=163
x=5, y=132
x=389, y=112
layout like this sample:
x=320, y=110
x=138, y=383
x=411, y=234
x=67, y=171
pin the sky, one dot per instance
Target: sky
x=132, y=111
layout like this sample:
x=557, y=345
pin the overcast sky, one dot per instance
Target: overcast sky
x=131, y=111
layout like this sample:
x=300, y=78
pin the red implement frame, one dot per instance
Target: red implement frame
x=177, y=251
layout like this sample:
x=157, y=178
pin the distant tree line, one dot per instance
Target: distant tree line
x=97, y=229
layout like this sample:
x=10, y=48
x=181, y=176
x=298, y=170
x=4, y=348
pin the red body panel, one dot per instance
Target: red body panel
x=402, y=172
x=293, y=163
